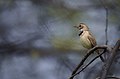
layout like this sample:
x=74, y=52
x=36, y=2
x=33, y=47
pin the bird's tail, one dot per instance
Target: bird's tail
x=102, y=59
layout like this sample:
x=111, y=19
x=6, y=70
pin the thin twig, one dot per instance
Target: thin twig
x=106, y=34
x=106, y=29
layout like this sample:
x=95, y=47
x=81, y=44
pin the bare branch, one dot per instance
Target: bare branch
x=89, y=52
x=87, y=64
x=106, y=29
x=110, y=60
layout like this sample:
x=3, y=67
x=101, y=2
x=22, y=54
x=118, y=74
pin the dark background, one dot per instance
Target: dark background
x=38, y=40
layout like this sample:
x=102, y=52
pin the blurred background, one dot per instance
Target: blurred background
x=38, y=40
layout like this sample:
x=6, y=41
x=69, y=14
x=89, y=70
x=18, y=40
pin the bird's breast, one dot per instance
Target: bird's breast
x=85, y=41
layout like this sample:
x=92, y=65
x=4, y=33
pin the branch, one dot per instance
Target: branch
x=108, y=77
x=113, y=78
x=106, y=29
x=86, y=56
x=110, y=60
x=87, y=64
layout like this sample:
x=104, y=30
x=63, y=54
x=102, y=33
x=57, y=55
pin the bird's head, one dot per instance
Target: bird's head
x=82, y=27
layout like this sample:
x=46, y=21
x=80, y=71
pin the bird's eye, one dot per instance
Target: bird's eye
x=80, y=26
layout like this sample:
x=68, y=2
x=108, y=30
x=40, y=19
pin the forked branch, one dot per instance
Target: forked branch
x=74, y=73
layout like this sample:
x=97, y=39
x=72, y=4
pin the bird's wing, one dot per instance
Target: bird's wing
x=92, y=40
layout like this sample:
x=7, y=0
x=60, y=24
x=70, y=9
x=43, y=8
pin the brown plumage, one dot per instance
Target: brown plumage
x=86, y=38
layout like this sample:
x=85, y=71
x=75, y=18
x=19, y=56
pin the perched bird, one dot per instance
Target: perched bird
x=86, y=38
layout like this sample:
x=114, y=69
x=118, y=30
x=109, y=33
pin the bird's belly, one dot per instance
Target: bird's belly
x=85, y=42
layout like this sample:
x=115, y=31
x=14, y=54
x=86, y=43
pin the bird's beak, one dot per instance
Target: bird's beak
x=75, y=27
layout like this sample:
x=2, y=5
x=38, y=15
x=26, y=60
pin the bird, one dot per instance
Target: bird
x=87, y=39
